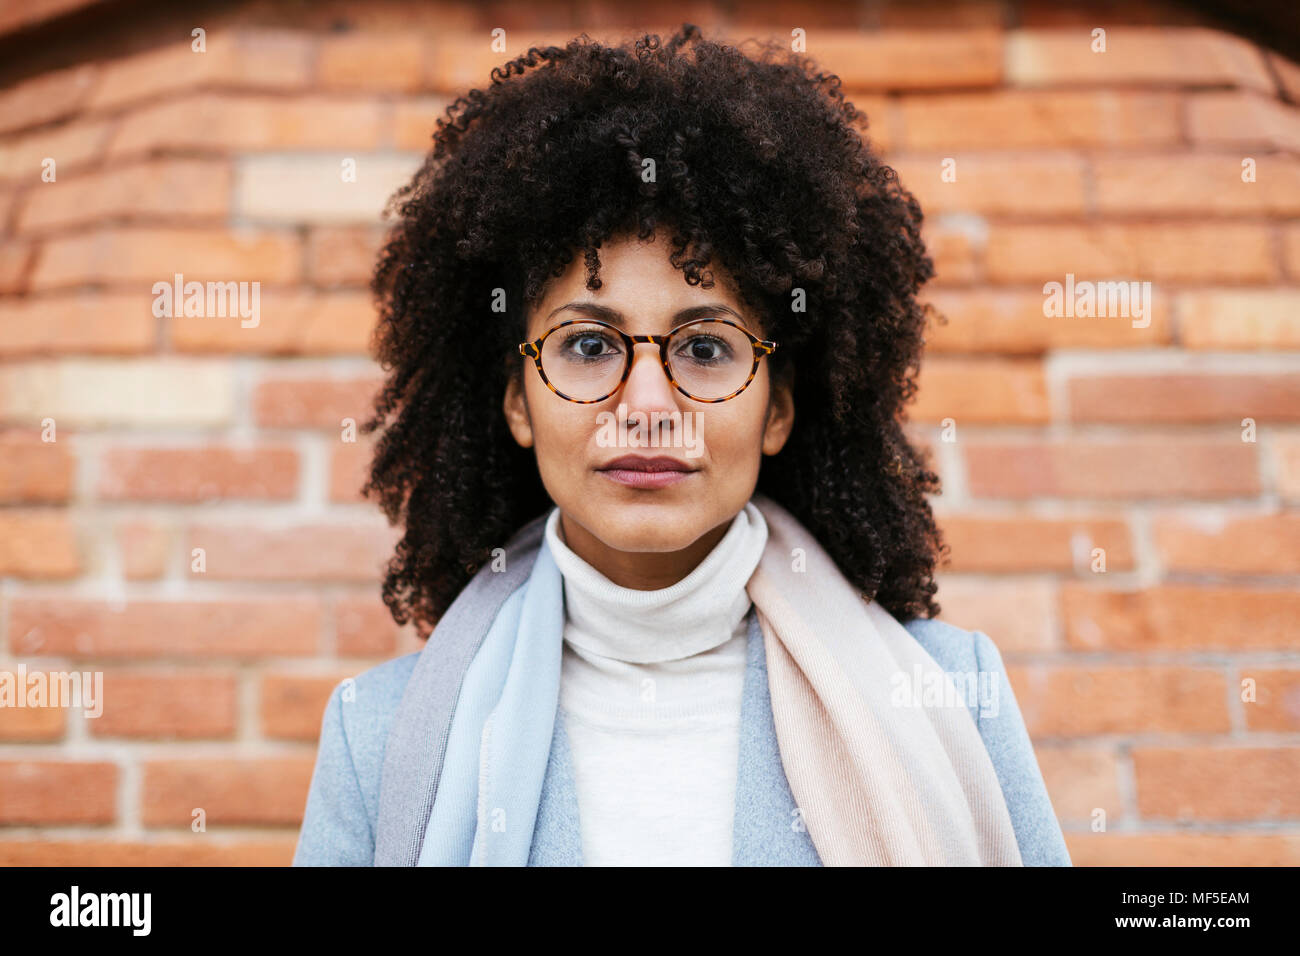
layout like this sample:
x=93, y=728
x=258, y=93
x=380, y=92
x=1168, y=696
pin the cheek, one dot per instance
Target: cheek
x=560, y=428
x=734, y=430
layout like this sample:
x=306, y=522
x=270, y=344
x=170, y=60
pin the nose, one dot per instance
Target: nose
x=647, y=390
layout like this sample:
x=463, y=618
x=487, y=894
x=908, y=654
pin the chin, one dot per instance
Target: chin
x=650, y=533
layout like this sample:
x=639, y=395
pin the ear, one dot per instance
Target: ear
x=780, y=412
x=515, y=406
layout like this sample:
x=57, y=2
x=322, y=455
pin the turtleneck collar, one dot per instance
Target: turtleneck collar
x=698, y=613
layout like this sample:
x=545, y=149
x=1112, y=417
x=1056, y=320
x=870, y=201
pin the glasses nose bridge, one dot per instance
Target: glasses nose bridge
x=659, y=341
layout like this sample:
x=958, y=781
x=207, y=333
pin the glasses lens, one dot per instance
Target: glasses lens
x=583, y=360
x=710, y=359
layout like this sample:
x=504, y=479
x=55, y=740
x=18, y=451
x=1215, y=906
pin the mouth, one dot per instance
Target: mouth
x=636, y=471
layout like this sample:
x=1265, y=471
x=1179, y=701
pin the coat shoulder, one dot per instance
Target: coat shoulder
x=342, y=811
x=368, y=711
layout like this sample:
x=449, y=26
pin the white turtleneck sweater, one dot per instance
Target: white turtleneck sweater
x=650, y=693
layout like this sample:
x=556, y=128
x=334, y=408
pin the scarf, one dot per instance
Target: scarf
x=879, y=778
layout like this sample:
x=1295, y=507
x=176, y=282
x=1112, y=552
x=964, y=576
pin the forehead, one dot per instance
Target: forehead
x=638, y=281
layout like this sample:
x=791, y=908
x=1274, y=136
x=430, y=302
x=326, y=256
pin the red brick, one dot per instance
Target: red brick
x=364, y=627
x=1080, y=781
x=1197, y=185
x=1286, y=466
x=1176, y=617
x=302, y=553
x=958, y=13
x=1081, y=701
x=1291, y=249
x=1147, y=56
x=200, y=849
x=954, y=253
x=282, y=626
x=71, y=145
x=1020, y=119
x=225, y=123
x=16, y=259
x=180, y=189
x=1184, y=849
x=1018, y=613
x=1184, y=397
x=1001, y=544
x=48, y=792
x=314, y=403
x=182, y=705
x=1012, y=322
x=38, y=544
x=1217, y=783
x=368, y=60
x=415, y=119
x=996, y=185
x=1277, y=699
x=982, y=390
x=34, y=471
x=349, y=469
x=144, y=546
x=257, y=59
x=198, y=474
x=289, y=322
x=1229, y=544
x=1159, y=466
x=46, y=97
x=84, y=322
x=1245, y=120
x=29, y=724
x=231, y=792
x=147, y=255
x=292, y=704
x=1288, y=74
x=1198, y=252
x=342, y=255
x=909, y=59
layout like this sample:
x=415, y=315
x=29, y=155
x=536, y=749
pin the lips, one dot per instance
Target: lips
x=641, y=463
x=646, y=474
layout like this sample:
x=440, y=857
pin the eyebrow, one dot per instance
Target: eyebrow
x=615, y=317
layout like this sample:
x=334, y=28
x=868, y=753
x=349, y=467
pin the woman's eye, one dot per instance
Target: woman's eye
x=588, y=345
x=704, y=348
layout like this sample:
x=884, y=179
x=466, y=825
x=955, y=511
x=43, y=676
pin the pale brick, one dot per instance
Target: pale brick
x=1156, y=55
x=277, y=189
x=105, y=392
x=1239, y=319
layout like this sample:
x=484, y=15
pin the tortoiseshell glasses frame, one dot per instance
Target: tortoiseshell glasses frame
x=533, y=349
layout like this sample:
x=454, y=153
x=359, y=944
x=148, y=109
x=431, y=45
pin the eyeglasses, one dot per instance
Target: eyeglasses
x=707, y=360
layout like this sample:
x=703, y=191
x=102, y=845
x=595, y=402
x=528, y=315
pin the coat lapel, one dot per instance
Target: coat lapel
x=417, y=743
x=768, y=831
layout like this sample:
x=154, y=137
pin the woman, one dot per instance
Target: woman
x=657, y=499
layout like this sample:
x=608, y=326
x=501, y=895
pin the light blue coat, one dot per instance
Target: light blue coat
x=384, y=738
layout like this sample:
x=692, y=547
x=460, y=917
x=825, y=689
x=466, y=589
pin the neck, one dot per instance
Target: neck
x=640, y=570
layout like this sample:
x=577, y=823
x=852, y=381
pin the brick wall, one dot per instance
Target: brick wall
x=1034, y=157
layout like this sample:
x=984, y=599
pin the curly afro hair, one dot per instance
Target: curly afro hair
x=762, y=164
